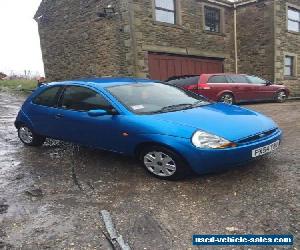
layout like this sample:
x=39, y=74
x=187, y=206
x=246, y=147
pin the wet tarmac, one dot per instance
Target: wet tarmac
x=51, y=197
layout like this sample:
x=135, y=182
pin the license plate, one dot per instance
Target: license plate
x=266, y=149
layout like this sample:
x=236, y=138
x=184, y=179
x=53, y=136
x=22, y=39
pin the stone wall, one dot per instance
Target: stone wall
x=187, y=37
x=286, y=43
x=255, y=35
x=76, y=42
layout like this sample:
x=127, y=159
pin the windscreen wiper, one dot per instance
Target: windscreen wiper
x=199, y=104
x=176, y=107
x=182, y=106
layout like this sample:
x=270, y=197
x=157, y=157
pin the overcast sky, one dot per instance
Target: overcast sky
x=19, y=39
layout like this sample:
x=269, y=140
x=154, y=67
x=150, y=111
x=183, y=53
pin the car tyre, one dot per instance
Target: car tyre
x=164, y=163
x=281, y=96
x=227, y=98
x=29, y=138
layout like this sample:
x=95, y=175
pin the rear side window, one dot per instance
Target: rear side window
x=238, y=79
x=217, y=79
x=184, y=81
x=83, y=99
x=48, y=97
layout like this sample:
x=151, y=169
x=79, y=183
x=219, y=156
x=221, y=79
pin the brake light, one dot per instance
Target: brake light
x=193, y=87
x=203, y=86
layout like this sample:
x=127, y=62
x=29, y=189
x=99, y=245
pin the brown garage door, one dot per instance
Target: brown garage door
x=163, y=66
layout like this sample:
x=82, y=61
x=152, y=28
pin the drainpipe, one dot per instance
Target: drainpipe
x=235, y=40
x=133, y=34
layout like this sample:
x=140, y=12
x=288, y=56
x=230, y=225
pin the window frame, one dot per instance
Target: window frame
x=248, y=77
x=175, y=12
x=224, y=76
x=291, y=67
x=230, y=80
x=222, y=18
x=112, y=110
x=288, y=19
x=206, y=8
x=57, y=96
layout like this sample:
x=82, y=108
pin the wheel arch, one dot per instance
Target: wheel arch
x=226, y=92
x=18, y=124
x=23, y=119
x=287, y=92
x=280, y=98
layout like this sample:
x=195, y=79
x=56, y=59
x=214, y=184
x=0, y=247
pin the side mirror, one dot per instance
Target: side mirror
x=268, y=83
x=98, y=112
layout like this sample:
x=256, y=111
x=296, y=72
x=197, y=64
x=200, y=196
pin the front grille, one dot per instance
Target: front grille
x=258, y=136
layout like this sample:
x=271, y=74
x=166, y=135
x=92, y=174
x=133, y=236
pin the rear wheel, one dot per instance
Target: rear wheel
x=28, y=137
x=164, y=163
x=281, y=96
x=227, y=98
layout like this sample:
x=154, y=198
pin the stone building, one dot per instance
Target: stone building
x=163, y=38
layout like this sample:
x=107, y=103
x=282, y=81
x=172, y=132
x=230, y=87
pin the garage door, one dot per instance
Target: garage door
x=164, y=66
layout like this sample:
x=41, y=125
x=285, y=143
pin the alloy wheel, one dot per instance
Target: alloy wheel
x=26, y=135
x=227, y=98
x=281, y=96
x=160, y=164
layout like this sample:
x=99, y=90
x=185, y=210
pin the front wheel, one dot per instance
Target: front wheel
x=227, y=98
x=281, y=96
x=29, y=138
x=163, y=163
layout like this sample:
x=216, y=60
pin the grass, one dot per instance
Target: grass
x=18, y=85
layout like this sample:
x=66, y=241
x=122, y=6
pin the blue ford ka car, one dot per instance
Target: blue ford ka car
x=169, y=130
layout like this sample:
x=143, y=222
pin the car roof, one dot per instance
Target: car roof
x=103, y=82
x=224, y=74
x=180, y=77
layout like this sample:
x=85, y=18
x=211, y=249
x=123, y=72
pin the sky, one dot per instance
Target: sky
x=19, y=40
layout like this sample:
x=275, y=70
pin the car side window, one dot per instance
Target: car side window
x=48, y=98
x=238, y=79
x=83, y=99
x=217, y=79
x=256, y=80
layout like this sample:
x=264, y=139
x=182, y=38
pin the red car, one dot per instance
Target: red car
x=232, y=88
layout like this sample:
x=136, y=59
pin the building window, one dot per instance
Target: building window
x=289, y=66
x=165, y=11
x=293, y=20
x=212, y=19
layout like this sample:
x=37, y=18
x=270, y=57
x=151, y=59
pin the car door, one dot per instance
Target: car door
x=218, y=84
x=243, y=91
x=42, y=110
x=262, y=88
x=74, y=124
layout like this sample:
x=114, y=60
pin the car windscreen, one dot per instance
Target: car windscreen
x=149, y=98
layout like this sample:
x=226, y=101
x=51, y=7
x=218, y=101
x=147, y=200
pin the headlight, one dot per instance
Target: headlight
x=202, y=139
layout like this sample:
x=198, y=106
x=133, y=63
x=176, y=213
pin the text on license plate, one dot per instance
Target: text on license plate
x=266, y=149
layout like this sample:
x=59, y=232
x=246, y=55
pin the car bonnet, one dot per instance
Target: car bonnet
x=228, y=121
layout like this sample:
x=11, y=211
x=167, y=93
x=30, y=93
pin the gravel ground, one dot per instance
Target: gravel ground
x=51, y=197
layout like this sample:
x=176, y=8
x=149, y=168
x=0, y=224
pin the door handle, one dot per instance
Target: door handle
x=59, y=116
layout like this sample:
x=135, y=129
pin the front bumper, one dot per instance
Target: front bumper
x=213, y=160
